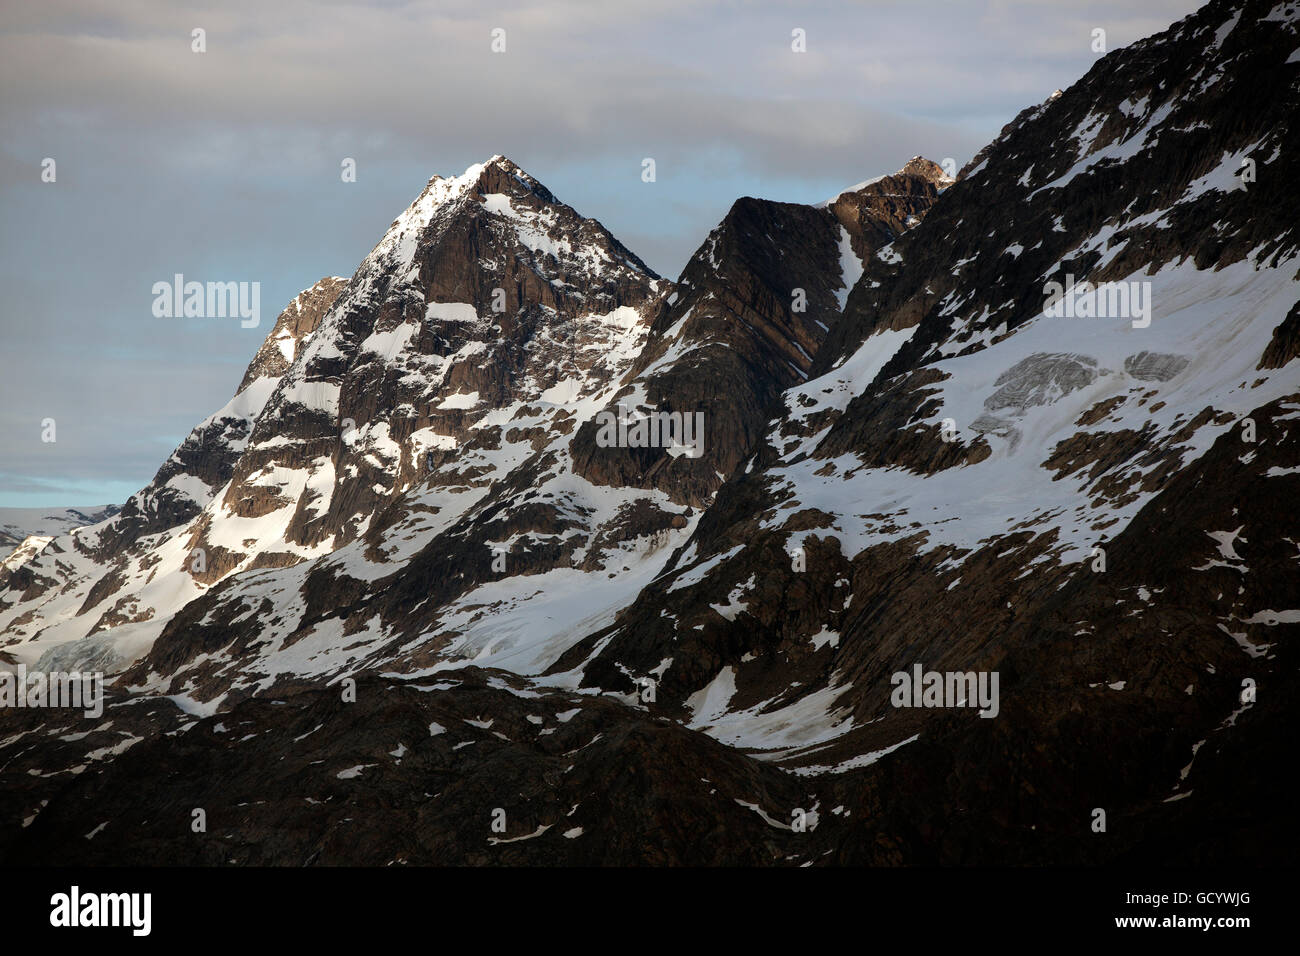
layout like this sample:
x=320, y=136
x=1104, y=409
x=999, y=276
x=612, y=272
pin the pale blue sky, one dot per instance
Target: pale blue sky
x=225, y=165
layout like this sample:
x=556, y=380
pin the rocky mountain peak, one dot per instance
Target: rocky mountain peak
x=877, y=211
x=503, y=176
x=926, y=169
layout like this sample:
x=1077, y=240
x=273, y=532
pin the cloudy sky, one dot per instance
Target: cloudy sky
x=225, y=165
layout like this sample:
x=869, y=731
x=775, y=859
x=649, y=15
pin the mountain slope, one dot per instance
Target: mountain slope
x=945, y=479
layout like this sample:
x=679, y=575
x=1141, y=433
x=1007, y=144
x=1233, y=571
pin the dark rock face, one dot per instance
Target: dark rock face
x=751, y=309
x=626, y=656
x=1285, y=344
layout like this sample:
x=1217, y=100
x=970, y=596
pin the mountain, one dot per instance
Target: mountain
x=407, y=601
x=961, y=463
x=377, y=411
x=752, y=308
x=17, y=524
x=126, y=574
